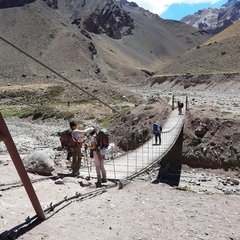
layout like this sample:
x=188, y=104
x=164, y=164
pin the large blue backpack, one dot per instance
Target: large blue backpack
x=157, y=127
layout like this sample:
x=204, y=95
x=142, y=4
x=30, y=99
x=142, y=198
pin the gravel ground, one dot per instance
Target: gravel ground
x=204, y=206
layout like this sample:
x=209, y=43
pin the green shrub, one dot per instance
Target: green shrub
x=233, y=149
x=227, y=137
x=21, y=113
x=148, y=107
x=212, y=144
x=55, y=90
x=49, y=112
x=196, y=141
x=105, y=121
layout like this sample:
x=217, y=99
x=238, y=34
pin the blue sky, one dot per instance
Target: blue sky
x=177, y=9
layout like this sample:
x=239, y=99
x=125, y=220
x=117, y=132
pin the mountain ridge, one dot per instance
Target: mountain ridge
x=219, y=54
x=129, y=39
x=215, y=20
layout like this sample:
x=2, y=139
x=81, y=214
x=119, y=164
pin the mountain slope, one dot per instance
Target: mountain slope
x=214, y=20
x=219, y=54
x=87, y=40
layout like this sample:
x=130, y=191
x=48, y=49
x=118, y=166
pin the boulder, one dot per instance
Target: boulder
x=40, y=162
x=59, y=181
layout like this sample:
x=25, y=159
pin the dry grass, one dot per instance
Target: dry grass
x=230, y=32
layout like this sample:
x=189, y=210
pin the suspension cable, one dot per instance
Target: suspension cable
x=58, y=74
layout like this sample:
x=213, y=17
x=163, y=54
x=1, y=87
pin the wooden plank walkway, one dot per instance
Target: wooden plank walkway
x=135, y=161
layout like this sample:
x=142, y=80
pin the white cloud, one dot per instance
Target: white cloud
x=160, y=6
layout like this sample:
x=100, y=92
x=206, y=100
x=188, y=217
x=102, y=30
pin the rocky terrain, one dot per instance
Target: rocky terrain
x=215, y=20
x=141, y=202
x=110, y=51
x=211, y=133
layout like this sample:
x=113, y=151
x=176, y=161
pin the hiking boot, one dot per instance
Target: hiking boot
x=98, y=184
x=104, y=180
x=75, y=174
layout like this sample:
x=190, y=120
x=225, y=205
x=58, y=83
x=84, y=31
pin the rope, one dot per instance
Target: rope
x=58, y=74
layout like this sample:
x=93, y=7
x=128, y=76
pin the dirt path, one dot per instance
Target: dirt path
x=145, y=211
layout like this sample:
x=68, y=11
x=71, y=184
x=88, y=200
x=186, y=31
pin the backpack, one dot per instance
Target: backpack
x=102, y=140
x=157, y=127
x=66, y=139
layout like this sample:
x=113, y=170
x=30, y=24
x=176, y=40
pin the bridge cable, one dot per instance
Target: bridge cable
x=58, y=74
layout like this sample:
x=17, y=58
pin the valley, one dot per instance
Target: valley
x=118, y=67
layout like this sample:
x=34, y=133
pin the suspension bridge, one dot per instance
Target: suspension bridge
x=148, y=154
x=125, y=166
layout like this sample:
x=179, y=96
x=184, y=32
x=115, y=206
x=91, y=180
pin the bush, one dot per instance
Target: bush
x=148, y=107
x=233, y=149
x=21, y=113
x=196, y=141
x=227, y=137
x=48, y=112
x=105, y=121
x=212, y=144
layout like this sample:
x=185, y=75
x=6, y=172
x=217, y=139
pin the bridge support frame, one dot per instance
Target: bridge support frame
x=6, y=137
x=172, y=161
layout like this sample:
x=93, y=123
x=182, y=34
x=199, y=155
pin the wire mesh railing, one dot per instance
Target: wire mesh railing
x=143, y=156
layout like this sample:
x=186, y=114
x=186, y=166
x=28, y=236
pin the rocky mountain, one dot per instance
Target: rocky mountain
x=219, y=54
x=214, y=20
x=102, y=40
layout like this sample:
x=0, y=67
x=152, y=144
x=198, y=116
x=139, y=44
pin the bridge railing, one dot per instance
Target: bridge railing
x=143, y=156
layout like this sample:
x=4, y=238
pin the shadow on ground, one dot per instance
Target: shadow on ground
x=169, y=173
x=20, y=229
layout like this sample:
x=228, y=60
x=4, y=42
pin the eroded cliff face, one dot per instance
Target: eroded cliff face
x=110, y=19
x=211, y=142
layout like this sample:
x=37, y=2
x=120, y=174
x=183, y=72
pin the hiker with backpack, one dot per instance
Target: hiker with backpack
x=180, y=107
x=157, y=130
x=72, y=141
x=99, y=144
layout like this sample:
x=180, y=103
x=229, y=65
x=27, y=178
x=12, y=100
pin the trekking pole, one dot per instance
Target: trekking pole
x=142, y=150
x=148, y=151
x=114, y=170
x=127, y=156
x=87, y=165
x=152, y=146
x=135, y=140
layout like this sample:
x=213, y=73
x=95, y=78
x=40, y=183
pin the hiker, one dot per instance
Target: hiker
x=157, y=130
x=98, y=155
x=75, y=149
x=180, y=107
x=72, y=141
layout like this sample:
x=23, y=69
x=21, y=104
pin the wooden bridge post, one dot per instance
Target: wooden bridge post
x=12, y=150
